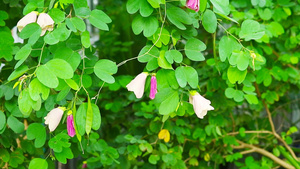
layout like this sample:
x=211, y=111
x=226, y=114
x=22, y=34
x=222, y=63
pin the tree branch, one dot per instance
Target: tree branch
x=263, y=152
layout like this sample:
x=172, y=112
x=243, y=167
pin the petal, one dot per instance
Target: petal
x=53, y=118
x=137, y=85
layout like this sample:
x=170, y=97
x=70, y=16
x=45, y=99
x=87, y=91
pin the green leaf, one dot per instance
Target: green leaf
x=221, y=6
x=186, y=75
x=143, y=6
x=148, y=53
x=153, y=159
x=85, y=39
x=72, y=84
x=209, y=21
x=162, y=62
x=4, y=155
x=60, y=68
x=166, y=78
x=61, y=33
x=36, y=88
x=81, y=118
x=59, y=142
x=104, y=69
x=237, y=95
x=99, y=19
x=226, y=46
x=96, y=117
x=235, y=75
x=89, y=117
x=30, y=30
x=2, y=120
x=240, y=59
x=83, y=12
x=16, y=158
x=63, y=93
x=57, y=15
x=147, y=25
x=79, y=24
x=251, y=29
x=67, y=54
x=36, y=131
x=161, y=36
x=156, y=3
x=25, y=102
x=193, y=49
x=169, y=101
x=15, y=124
x=178, y=17
x=18, y=72
x=265, y=14
x=252, y=99
x=65, y=154
x=173, y=55
x=46, y=77
x=24, y=52
x=38, y=163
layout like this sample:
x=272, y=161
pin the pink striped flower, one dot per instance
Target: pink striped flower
x=193, y=4
x=153, y=87
x=70, y=124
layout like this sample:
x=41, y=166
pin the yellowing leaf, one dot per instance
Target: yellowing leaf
x=164, y=134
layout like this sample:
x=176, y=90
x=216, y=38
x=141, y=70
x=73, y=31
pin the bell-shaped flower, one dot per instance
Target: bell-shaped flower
x=137, y=85
x=70, y=124
x=45, y=22
x=193, y=4
x=153, y=87
x=53, y=118
x=200, y=104
x=27, y=19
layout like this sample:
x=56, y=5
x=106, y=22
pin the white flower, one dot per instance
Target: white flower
x=45, y=22
x=200, y=104
x=53, y=117
x=27, y=19
x=137, y=85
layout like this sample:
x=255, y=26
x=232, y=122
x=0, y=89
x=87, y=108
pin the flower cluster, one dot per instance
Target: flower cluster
x=43, y=19
x=137, y=85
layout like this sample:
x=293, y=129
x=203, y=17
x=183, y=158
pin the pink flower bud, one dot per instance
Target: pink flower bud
x=137, y=85
x=153, y=87
x=193, y=4
x=70, y=125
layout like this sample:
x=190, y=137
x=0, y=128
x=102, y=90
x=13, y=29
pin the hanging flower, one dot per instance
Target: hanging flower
x=137, y=85
x=53, y=117
x=45, y=22
x=27, y=19
x=193, y=4
x=200, y=104
x=70, y=124
x=153, y=87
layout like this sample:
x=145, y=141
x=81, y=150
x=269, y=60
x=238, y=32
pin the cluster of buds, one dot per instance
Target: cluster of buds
x=43, y=19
